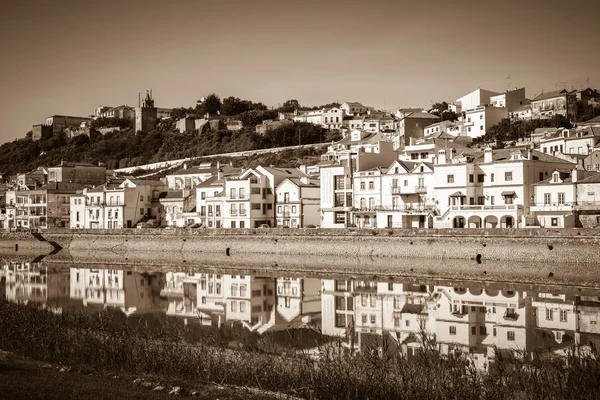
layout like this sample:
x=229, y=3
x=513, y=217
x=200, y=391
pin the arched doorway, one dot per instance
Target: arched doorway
x=474, y=221
x=507, y=222
x=491, y=221
x=458, y=222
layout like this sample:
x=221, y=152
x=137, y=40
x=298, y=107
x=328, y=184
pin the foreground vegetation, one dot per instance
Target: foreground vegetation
x=105, y=340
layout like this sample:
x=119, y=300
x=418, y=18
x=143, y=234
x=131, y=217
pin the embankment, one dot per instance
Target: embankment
x=567, y=246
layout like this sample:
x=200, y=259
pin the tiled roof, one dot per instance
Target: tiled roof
x=550, y=95
x=523, y=108
x=594, y=177
x=171, y=195
x=421, y=115
x=595, y=120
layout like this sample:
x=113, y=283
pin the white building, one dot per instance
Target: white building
x=117, y=204
x=489, y=189
x=298, y=202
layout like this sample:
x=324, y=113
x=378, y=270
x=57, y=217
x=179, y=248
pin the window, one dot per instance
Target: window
x=364, y=318
x=561, y=198
x=362, y=186
x=450, y=178
x=492, y=178
x=373, y=301
x=482, y=330
x=554, y=221
x=373, y=320
x=549, y=314
x=363, y=301
x=339, y=182
x=453, y=330
x=510, y=335
x=141, y=198
x=234, y=306
x=473, y=330
x=471, y=178
x=371, y=185
x=242, y=306
x=563, y=315
x=340, y=217
x=547, y=199
x=141, y=211
x=480, y=178
x=508, y=176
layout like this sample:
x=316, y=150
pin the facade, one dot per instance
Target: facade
x=511, y=99
x=330, y=118
x=40, y=208
x=452, y=128
x=77, y=173
x=191, y=177
x=116, y=205
x=178, y=208
x=411, y=126
x=489, y=190
x=568, y=199
x=353, y=108
x=298, y=202
x=121, y=112
x=185, y=124
x=548, y=104
x=521, y=113
x=571, y=141
x=477, y=98
x=479, y=119
x=61, y=122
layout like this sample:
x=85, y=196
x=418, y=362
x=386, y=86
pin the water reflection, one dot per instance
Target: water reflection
x=468, y=317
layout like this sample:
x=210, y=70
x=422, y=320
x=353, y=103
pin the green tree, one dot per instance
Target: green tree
x=211, y=105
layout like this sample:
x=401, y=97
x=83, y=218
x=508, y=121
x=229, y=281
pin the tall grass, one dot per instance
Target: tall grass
x=104, y=341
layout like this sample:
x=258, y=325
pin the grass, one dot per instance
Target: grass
x=105, y=341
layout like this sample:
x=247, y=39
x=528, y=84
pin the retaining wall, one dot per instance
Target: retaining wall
x=523, y=245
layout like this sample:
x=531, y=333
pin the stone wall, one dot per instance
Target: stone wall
x=525, y=245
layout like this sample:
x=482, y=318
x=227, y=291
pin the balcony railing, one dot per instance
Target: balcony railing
x=500, y=207
x=408, y=189
x=242, y=213
x=244, y=196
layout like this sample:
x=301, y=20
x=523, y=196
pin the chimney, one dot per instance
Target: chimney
x=576, y=175
x=218, y=164
x=488, y=155
x=441, y=157
x=185, y=166
x=529, y=157
x=220, y=174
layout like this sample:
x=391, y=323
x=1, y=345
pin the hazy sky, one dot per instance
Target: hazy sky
x=69, y=57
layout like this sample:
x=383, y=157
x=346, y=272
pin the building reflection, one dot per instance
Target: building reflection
x=467, y=318
x=470, y=320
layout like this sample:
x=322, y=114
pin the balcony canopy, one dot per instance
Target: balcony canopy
x=458, y=194
x=509, y=194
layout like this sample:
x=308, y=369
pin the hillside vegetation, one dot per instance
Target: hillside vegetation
x=126, y=148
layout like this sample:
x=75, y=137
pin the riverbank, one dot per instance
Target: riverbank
x=103, y=342
x=544, y=246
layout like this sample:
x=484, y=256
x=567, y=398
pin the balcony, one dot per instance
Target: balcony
x=511, y=315
x=95, y=204
x=400, y=190
x=567, y=207
x=244, y=196
x=474, y=208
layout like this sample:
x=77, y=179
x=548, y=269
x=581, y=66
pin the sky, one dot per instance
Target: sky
x=68, y=57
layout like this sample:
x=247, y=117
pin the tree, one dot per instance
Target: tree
x=234, y=106
x=560, y=121
x=290, y=106
x=211, y=105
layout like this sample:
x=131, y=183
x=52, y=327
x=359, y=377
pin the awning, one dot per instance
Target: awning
x=457, y=194
x=508, y=194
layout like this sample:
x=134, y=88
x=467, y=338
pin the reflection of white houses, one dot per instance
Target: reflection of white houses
x=129, y=291
x=299, y=300
x=31, y=282
x=238, y=298
x=181, y=292
x=489, y=189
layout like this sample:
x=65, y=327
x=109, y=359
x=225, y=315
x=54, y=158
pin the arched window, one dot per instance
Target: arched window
x=372, y=203
x=362, y=202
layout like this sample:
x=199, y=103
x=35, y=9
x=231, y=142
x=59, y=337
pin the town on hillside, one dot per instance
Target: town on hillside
x=489, y=160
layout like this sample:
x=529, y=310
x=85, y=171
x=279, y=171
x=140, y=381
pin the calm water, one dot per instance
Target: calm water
x=462, y=316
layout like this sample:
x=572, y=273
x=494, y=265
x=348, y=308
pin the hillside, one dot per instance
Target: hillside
x=126, y=148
